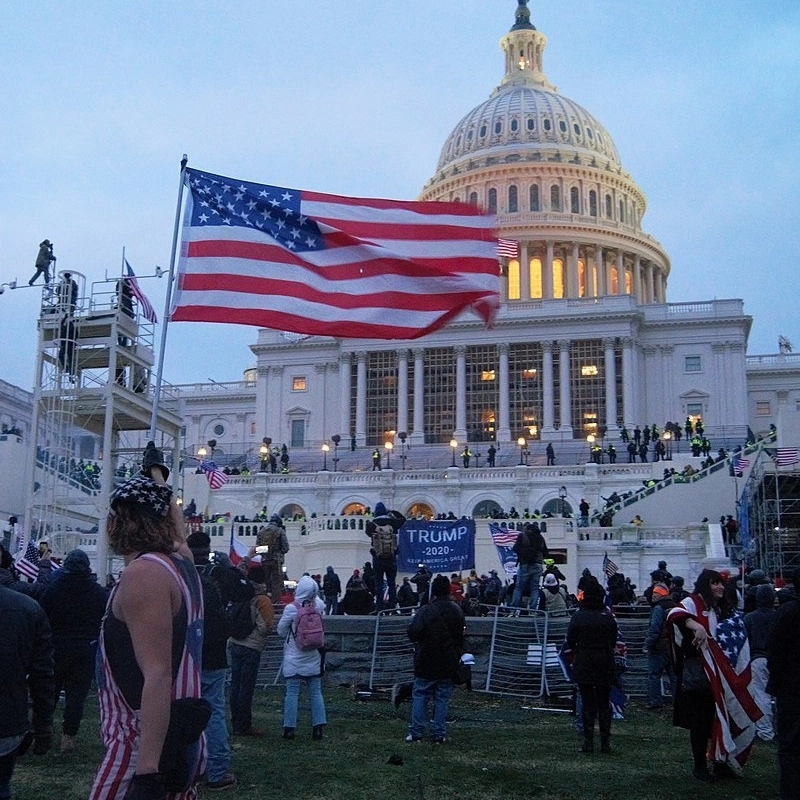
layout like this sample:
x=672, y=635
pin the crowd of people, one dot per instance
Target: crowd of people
x=161, y=676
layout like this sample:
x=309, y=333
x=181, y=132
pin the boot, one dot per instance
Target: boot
x=588, y=743
x=588, y=731
x=316, y=732
x=67, y=744
x=604, y=719
x=288, y=733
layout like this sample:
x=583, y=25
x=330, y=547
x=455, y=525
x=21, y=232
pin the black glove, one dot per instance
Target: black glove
x=42, y=742
x=146, y=787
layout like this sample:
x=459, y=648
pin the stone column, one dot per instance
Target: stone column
x=667, y=395
x=277, y=424
x=503, y=433
x=649, y=285
x=611, y=388
x=602, y=278
x=573, y=284
x=548, y=412
x=402, y=390
x=418, y=434
x=629, y=414
x=524, y=272
x=620, y=272
x=262, y=403
x=460, y=432
x=547, y=273
x=637, y=278
x=361, y=398
x=565, y=394
x=345, y=425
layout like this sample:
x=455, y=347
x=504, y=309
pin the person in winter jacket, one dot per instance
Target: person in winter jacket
x=657, y=648
x=245, y=656
x=554, y=596
x=331, y=589
x=437, y=630
x=759, y=624
x=74, y=603
x=592, y=636
x=531, y=551
x=302, y=666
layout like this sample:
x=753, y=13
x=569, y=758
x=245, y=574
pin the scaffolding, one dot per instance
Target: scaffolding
x=93, y=365
x=770, y=508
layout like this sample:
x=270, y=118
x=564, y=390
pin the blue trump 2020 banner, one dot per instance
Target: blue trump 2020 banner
x=442, y=545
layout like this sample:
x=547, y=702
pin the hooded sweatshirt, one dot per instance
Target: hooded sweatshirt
x=297, y=662
x=759, y=623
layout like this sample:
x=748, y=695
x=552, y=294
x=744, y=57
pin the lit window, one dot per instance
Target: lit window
x=299, y=384
x=529, y=373
x=692, y=364
x=558, y=278
x=589, y=370
x=513, y=279
x=763, y=408
x=535, y=274
x=487, y=375
x=695, y=411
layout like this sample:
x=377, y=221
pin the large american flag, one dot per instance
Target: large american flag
x=28, y=563
x=145, y=306
x=609, y=567
x=216, y=477
x=313, y=263
x=726, y=660
x=507, y=248
x=740, y=464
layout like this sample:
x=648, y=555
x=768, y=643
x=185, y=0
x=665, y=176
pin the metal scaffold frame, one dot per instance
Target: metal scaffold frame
x=93, y=376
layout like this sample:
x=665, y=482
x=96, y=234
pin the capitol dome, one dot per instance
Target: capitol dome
x=552, y=176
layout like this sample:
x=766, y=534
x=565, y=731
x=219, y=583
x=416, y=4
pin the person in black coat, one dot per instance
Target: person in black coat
x=437, y=631
x=26, y=666
x=74, y=603
x=592, y=636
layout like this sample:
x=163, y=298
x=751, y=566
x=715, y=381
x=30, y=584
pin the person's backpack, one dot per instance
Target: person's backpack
x=239, y=620
x=308, y=631
x=384, y=541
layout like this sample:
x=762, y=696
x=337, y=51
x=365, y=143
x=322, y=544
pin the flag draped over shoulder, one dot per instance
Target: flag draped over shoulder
x=319, y=264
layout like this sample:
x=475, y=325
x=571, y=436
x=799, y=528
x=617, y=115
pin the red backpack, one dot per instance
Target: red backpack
x=308, y=631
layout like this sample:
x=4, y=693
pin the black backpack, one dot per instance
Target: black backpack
x=239, y=619
x=224, y=590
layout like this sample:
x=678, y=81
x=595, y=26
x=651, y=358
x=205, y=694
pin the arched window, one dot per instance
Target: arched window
x=482, y=130
x=555, y=198
x=534, y=198
x=492, y=201
x=512, y=199
x=535, y=273
x=514, y=124
x=547, y=124
x=558, y=278
x=473, y=199
x=574, y=200
x=592, y=203
x=498, y=126
x=420, y=511
x=487, y=508
x=562, y=126
x=622, y=211
x=531, y=124
x=609, y=207
x=514, y=291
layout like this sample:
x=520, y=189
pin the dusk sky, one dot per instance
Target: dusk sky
x=356, y=97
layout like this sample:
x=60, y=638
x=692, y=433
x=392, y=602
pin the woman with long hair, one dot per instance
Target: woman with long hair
x=592, y=636
x=713, y=676
x=151, y=640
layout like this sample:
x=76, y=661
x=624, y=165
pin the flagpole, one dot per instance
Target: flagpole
x=167, y=303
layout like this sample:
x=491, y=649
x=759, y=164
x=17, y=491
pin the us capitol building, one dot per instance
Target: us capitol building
x=584, y=345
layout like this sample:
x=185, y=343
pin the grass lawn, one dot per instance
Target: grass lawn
x=498, y=747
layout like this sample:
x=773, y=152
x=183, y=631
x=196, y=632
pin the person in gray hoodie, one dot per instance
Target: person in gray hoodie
x=759, y=625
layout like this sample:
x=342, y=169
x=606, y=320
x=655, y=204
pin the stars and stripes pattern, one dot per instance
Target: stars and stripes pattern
x=609, y=567
x=504, y=539
x=740, y=464
x=215, y=476
x=319, y=264
x=507, y=248
x=145, y=306
x=28, y=562
x=786, y=456
x=726, y=660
